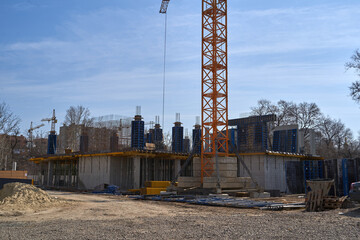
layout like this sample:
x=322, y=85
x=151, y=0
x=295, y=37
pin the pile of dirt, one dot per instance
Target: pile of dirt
x=21, y=195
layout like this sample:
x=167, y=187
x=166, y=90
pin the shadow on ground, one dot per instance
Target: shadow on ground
x=353, y=213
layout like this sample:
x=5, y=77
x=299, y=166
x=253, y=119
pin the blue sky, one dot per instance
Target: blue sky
x=108, y=56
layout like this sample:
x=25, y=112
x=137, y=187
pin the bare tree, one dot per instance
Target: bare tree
x=264, y=107
x=9, y=127
x=355, y=86
x=343, y=138
x=76, y=123
x=285, y=110
x=351, y=149
x=306, y=115
x=330, y=130
x=282, y=111
x=167, y=141
x=78, y=115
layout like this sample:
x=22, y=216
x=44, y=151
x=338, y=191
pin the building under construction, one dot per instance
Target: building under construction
x=93, y=157
x=95, y=163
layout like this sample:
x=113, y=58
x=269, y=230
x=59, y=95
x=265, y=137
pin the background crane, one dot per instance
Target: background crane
x=53, y=121
x=52, y=136
x=164, y=6
x=30, y=131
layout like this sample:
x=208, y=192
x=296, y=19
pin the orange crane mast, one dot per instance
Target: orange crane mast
x=214, y=96
x=214, y=84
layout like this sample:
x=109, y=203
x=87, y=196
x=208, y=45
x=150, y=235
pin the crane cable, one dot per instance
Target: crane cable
x=164, y=74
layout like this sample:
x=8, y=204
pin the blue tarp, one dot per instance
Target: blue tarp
x=108, y=190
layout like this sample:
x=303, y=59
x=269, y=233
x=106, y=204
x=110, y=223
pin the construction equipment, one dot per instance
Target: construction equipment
x=53, y=122
x=52, y=136
x=30, y=131
x=214, y=136
x=164, y=6
x=163, y=10
x=214, y=84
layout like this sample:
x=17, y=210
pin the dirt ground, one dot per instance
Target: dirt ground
x=87, y=216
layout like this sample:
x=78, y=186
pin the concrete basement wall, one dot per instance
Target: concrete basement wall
x=94, y=171
x=275, y=173
x=122, y=172
x=269, y=171
x=255, y=163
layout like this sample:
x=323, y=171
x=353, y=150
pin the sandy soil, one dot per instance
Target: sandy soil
x=88, y=216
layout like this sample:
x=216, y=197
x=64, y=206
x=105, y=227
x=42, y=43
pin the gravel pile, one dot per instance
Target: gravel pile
x=21, y=195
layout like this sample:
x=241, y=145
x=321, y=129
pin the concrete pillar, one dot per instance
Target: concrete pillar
x=136, y=172
x=177, y=168
x=50, y=174
x=69, y=174
x=76, y=178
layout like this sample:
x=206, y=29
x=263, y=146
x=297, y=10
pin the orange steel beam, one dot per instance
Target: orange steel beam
x=214, y=134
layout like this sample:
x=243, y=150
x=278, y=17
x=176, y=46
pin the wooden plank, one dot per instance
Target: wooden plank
x=13, y=174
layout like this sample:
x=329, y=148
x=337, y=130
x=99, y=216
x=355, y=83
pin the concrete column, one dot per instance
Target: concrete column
x=41, y=177
x=77, y=173
x=69, y=174
x=136, y=172
x=50, y=173
x=177, y=163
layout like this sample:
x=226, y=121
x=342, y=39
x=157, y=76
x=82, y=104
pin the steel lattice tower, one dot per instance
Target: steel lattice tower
x=214, y=134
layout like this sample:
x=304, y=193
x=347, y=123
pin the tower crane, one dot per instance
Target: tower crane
x=214, y=96
x=53, y=121
x=215, y=136
x=164, y=6
x=163, y=10
x=30, y=131
x=52, y=136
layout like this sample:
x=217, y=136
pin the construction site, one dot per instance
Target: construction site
x=121, y=177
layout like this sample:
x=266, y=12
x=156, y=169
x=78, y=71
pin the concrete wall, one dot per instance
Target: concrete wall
x=126, y=173
x=94, y=171
x=255, y=164
x=129, y=173
x=275, y=173
x=269, y=171
x=122, y=172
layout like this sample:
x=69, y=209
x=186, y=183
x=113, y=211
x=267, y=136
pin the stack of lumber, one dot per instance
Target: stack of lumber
x=13, y=174
x=154, y=187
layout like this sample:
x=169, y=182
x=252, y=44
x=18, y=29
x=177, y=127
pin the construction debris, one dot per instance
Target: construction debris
x=221, y=200
x=332, y=202
x=318, y=199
